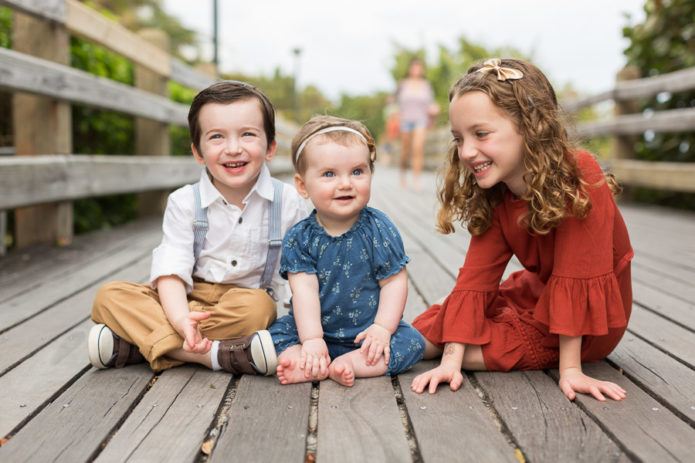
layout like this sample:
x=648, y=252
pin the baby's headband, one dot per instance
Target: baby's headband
x=333, y=128
x=494, y=64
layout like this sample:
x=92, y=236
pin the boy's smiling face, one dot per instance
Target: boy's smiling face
x=233, y=146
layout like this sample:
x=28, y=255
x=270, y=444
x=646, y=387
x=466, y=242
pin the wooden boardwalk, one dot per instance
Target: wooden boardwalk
x=55, y=407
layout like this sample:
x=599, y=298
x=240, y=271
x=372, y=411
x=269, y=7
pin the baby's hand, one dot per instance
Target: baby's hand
x=314, y=358
x=377, y=341
x=193, y=339
x=574, y=380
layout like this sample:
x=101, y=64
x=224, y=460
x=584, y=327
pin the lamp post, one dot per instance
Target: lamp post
x=295, y=88
x=215, y=56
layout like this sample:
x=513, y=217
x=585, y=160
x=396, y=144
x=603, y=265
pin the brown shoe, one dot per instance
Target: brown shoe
x=106, y=350
x=250, y=355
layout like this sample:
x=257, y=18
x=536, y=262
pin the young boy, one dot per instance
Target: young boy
x=210, y=296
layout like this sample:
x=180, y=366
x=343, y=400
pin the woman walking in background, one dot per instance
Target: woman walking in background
x=417, y=108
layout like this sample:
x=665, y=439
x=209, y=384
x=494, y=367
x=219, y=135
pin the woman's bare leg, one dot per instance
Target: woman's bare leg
x=406, y=138
x=418, y=137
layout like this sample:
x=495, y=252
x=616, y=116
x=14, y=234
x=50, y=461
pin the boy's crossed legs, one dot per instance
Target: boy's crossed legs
x=133, y=312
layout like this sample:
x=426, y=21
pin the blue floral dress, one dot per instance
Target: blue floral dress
x=348, y=268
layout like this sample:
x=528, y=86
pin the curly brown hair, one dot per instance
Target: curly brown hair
x=321, y=122
x=555, y=187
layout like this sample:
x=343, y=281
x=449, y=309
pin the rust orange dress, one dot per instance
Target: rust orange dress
x=576, y=281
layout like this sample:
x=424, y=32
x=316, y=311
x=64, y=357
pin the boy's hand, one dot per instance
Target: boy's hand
x=193, y=339
x=377, y=341
x=573, y=380
x=314, y=358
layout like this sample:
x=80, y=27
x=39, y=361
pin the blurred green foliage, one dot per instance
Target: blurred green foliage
x=102, y=132
x=663, y=43
x=179, y=136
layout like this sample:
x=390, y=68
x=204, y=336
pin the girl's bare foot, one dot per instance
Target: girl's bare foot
x=342, y=371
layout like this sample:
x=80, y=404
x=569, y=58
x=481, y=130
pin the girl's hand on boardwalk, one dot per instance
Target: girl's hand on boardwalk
x=193, y=339
x=377, y=341
x=314, y=359
x=444, y=373
x=573, y=380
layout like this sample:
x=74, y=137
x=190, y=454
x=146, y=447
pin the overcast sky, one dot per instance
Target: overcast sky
x=347, y=46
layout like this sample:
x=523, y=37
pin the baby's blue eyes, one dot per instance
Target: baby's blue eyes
x=330, y=173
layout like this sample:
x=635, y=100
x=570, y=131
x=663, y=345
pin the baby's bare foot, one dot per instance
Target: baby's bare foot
x=290, y=373
x=341, y=371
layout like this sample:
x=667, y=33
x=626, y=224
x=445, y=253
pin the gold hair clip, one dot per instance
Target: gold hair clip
x=494, y=64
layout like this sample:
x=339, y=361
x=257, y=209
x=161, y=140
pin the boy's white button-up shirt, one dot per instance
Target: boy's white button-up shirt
x=236, y=244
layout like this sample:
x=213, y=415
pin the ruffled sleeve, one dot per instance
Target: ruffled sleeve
x=389, y=253
x=295, y=249
x=582, y=295
x=462, y=315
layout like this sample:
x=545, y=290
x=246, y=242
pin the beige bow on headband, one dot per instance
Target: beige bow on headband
x=502, y=73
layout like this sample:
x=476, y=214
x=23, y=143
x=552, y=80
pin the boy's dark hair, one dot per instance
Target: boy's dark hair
x=225, y=92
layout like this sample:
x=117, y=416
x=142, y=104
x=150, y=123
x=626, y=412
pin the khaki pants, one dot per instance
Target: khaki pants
x=134, y=313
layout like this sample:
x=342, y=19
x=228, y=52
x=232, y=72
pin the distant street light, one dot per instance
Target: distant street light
x=295, y=87
x=215, y=56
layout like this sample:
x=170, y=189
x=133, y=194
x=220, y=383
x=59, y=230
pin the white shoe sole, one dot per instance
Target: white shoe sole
x=100, y=345
x=263, y=353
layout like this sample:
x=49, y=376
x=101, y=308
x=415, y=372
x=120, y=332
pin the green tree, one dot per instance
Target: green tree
x=663, y=43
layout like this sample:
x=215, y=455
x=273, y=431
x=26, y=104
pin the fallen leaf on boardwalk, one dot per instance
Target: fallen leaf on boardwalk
x=212, y=386
x=310, y=458
x=519, y=456
x=3, y=441
x=206, y=448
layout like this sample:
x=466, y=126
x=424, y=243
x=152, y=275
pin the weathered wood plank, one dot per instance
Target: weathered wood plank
x=672, y=176
x=672, y=82
x=185, y=75
x=170, y=422
x=665, y=304
x=671, y=120
x=665, y=282
x=73, y=427
x=51, y=10
x=36, y=380
x=644, y=429
x=546, y=425
x=22, y=270
x=30, y=336
x=73, y=280
x=677, y=341
x=86, y=22
x=360, y=423
x=41, y=77
x=39, y=179
x=666, y=378
x=449, y=424
x=266, y=422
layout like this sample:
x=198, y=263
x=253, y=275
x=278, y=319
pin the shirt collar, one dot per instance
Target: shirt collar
x=263, y=187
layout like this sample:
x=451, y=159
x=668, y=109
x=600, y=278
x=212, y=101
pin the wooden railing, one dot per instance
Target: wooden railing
x=44, y=169
x=626, y=124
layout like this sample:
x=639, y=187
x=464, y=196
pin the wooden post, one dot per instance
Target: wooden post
x=624, y=145
x=41, y=126
x=152, y=137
